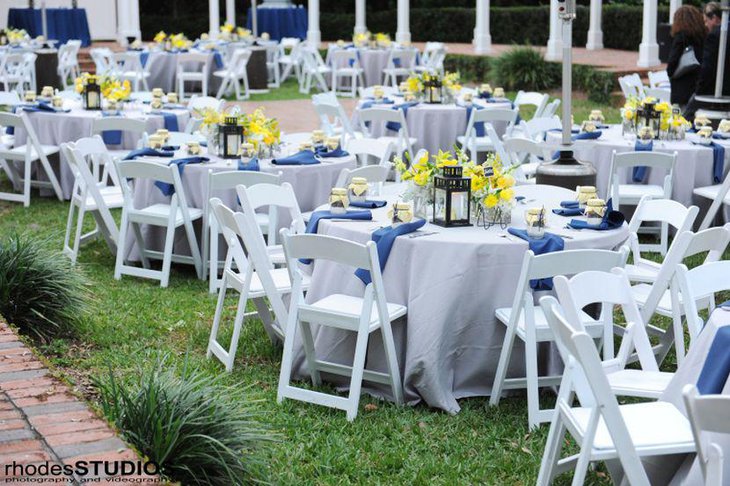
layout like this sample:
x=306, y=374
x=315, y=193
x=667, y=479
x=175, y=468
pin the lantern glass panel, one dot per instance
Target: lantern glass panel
x=439, y=201
x=92, y=96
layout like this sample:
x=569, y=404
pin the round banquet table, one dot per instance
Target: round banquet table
x=372, y=61
x=693, y=168
x=452, y=282
x=435, y=126
x=311, y=184
x=63, y=24
x=57, y=128
x=163, y=70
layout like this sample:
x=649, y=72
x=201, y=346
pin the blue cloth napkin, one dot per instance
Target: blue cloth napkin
x=547, y=244
x=146, y=152
x=304, y=157
x=169, y=189
x=395, y=126
x=639, y=172
x=569, y=204
x=43, y=106
x=384, y=239
x=716, y=369
x=368, y=203
x=218, y=60
x=323, y=152
x=718, y=162
x=143, y=57
x=170, y=121
x=251, y=165
x=611, y=220
x=569, y=208
x=316, y=216
x=587, y=135
x=396, y=62
x=484, y=95
x=478, y=126
x=170, y=148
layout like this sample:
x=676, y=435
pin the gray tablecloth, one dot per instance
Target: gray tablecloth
x=435, y=126
x=372, y=61
x=311, y=184
x=163, y=72
x=58, y=128
x=452, y=282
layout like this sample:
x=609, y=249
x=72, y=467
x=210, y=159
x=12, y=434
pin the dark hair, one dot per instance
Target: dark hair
x=688, y=20
x=712, y=10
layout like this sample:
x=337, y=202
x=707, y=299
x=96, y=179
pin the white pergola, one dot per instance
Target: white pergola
x=128, y=19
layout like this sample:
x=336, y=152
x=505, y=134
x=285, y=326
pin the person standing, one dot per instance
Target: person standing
x=708, y=67
x=688, y=31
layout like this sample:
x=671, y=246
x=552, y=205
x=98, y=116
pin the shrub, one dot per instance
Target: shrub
x=524, y=68
x=40, y=291
x=196, y=429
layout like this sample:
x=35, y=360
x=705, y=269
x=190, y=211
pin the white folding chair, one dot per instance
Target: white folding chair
x=227, y=181
x=603, y=429
x=376, y=176
x=333, y=119
x=192, y=67
x=345, y=65
x=25, y=155
x=526, y=321
x=248, y=271
x=399, y=65
x=363, y=149
x=362, y=315
x=104, y=61
x=698, y=287
x=526, y=154
x=536, y=128
x=661, y=94
x=632, y=86
x=178, y=139
x=272, y=65
x=708, y=414
x=129, y=67
x=659, y=79
x=235, y=73
x=433, y=57
x=136, y=127
x=402, y=141
x=289, y=58
x=663, y=296
x=90, y=195
x=531, y=98
x=68, y=62
x=314, y=70
x=718, y=194
x=609, y=290
x=171, y=216
x=201, y=102
x=17, y=71
x=475, y=144
x=550, y=109
x=10, y=99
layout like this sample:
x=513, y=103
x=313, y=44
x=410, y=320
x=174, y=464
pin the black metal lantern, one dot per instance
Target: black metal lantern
x=648, y=116
x=433, y=87
x=231, y=137
x=92, y=95
x=451, y=197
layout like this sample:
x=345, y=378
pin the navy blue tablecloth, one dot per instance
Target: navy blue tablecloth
x=63, y=23
x=280, y=22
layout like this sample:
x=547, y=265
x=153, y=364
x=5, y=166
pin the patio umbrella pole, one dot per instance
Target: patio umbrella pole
x=255, y=19
x=44, y=20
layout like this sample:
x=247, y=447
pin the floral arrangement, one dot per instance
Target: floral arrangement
x=491, y=184
x=633, y=104
x=417, y=82
x=229, y=31
x=111, y=88
x=16, y=36
x=173, y=41
x=259, y=130
x=362, y=39
x=382, y=39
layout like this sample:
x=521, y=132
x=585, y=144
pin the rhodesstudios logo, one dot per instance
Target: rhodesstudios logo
x=144, y=472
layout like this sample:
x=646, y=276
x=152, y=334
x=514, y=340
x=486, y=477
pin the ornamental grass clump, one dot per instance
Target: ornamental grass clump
x=198, y=430
x=40, y=291
x=524, y=68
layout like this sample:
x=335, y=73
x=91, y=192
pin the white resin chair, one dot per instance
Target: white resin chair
x=400, y=65
x=432, y=60
x=248, y=271
x=273, y=66
x=170, y=216
x=526, y=154
x=104, y=61
x=526, y=321
x=228, y=181
x=659, y=79
x=363, y=149
x=660, y=94
x=201, y=102
x=698, y=287
x=68, y=62
x=192, y=67
x=333, y=119
x=532, y=98
x=17, y=71
x=631, y=193
x=136, y=127
x=708, y=414
x=536, y=128
x=632, y=86
x=90, y=196
x=718, y=194
x=234, y=74
x=25, y=156
x=346, y=67
x=289, y=58
x=550, y=109
x=361, y=315
x=402, y=140
x=314, y=70
x=375, y=174
x=603, y=429
x=610, y=290
x=474, y=144
x=130, y=68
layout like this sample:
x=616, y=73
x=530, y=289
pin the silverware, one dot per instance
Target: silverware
x=418, y=235
x=506, y=235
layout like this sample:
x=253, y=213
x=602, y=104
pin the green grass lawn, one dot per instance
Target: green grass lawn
x=134, y=320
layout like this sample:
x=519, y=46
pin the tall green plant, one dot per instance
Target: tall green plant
x=40, y=291
x=524, y=68
x=198, y=430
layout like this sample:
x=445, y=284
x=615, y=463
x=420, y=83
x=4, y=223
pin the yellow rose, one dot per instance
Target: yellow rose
x=505, y=181
x=491, y=200
x=478, y=183
x=507, y=194
x=629, y=114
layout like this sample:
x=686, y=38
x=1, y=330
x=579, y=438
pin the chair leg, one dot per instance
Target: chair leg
x=67, y=249
x=79, y=228
x=310, y=353
x=212, y=245
x=137, y=230
x=121, y=246
x=26, y=183
x=167, y=254
x=194, y=249
x=500, y=376
x=287, y=355
x=553, y=446
x=533, y=391
x=222, y=90
x=237, y=325
x=213, y=338
x=358, y=367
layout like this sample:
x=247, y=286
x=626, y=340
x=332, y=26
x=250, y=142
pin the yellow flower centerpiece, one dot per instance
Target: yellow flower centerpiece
x=382, y=40
x=362, y=39
x=261, y=132
x=112, y=89
x=492, y=190
x=171, y=42
x=638, y=113
x=17, y=36
x=431, y=86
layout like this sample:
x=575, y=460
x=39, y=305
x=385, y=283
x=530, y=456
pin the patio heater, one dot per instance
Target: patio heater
x=566, y=171
x=717, y=107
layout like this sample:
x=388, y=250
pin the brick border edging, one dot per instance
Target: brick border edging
x=42, y=420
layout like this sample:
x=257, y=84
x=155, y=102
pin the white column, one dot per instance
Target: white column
x=314, y=36
x=231, y=12
x=595, y=34
x=134, y=20
x=127, y=20
x=214, y=18
x=403, y=34
x=482, y=37
x=673, y=6
x=360, y=25
x=555, y=41
x=649, y=49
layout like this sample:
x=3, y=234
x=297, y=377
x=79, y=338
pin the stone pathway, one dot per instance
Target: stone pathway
x=41, y=423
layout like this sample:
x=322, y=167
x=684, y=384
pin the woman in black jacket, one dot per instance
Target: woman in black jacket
x=688, y=30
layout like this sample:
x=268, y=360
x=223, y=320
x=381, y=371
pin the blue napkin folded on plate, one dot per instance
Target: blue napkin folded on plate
x=325, y=153
x=716, y=369
x=639, y=172
x=384, y=239
x=368, y=203
x=43, y=106
x=483, y=95
x=251, y=165
x=169, y=189
x=547, y=244
x=146, y=152
x=304, y=157
x=611, y=220
x=317, y=216
x=576, y=211
x=478, y=126
x=395, y=126
x=170, y=148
